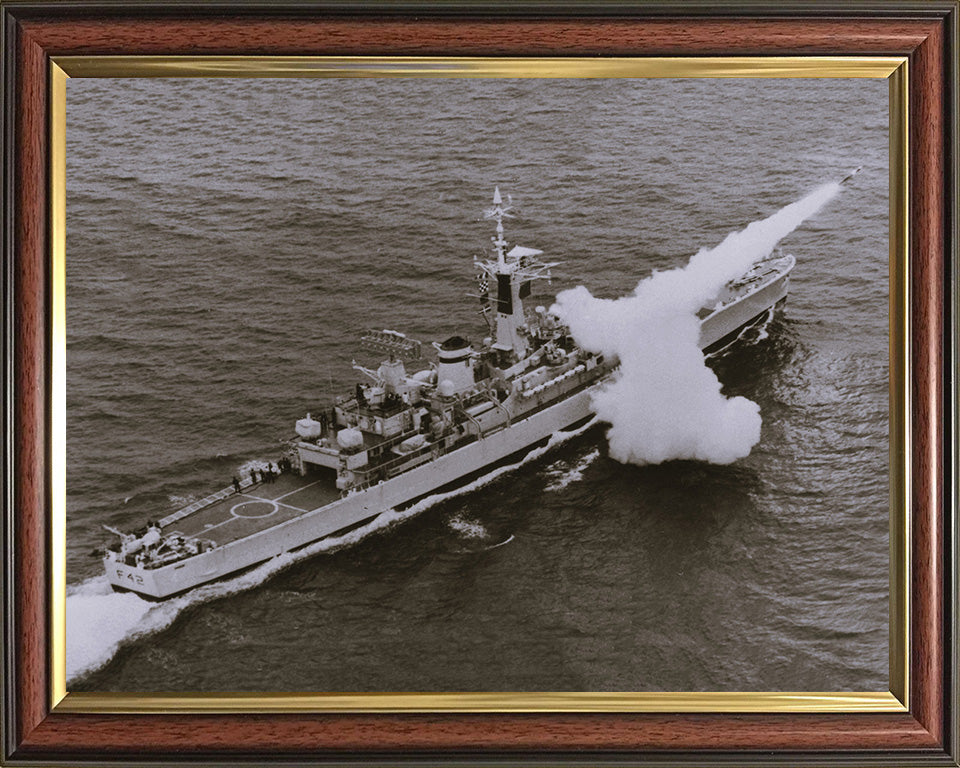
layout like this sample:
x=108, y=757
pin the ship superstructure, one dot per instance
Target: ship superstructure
x=399, y=436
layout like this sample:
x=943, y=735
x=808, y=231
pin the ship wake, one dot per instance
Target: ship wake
x=750, y=335
x=664, y=402
x=100, y=621
x=562, y=474
x=476, y=538
x=467, y=529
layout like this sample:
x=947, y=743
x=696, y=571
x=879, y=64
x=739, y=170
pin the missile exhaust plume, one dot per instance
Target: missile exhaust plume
x=664, y=402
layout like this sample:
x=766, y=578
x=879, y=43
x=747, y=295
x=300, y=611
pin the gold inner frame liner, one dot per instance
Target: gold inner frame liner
x=892, y=68
x=434, y=66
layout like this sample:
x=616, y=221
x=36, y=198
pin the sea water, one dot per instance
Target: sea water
x=229, y=240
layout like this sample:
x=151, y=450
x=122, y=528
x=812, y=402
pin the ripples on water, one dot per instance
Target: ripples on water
x=227, y=242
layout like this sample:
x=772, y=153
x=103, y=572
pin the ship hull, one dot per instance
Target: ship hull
x=718, y=328
x=355, y=508
x=723, y=326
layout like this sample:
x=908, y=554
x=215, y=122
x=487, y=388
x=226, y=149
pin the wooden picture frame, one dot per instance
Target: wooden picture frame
x=37, y=730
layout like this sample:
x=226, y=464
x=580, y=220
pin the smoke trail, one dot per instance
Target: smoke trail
x=664, y=402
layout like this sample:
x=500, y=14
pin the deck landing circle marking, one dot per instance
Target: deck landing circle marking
x=254, y=509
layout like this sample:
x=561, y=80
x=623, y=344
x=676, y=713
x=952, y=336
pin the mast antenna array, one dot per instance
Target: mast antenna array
x=520, y=261
x=499, y=212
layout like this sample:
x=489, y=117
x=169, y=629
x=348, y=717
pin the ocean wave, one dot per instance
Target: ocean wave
x=561, y=474
x=468, y=529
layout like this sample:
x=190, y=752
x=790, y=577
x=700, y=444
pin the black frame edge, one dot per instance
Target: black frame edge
x=8, y=31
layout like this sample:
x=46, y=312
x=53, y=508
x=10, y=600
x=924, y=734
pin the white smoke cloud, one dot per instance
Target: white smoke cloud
x=664, y=402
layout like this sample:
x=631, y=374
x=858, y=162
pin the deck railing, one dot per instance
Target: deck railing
x=221, y=494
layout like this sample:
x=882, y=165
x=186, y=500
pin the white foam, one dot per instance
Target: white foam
x=503, y=543
x=749, y=336
x=99, y=620
x=468, y=529
x=562, y=474
x=763, y=330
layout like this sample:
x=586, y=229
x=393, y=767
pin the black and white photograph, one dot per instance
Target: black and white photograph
x=477, y=385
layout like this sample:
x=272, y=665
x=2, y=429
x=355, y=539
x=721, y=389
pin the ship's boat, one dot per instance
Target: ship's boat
x=402, y=436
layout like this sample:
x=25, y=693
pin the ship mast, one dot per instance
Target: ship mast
x=513, y=271
x=498, y=213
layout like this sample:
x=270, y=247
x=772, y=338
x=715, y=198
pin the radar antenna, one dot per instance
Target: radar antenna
x=499, y=212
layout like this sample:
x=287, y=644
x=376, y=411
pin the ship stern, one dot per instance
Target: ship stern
x=130, y=578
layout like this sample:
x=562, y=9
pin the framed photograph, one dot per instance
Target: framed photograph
x=463, y=384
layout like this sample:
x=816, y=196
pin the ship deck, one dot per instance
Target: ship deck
x=759, y=276
x=257, y=507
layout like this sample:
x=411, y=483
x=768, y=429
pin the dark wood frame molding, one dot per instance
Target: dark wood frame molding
x=926, y=32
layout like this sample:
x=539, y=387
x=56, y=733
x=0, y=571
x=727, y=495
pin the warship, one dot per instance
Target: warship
x=403, y=435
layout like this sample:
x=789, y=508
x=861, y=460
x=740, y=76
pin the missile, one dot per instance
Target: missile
x=850, y=175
